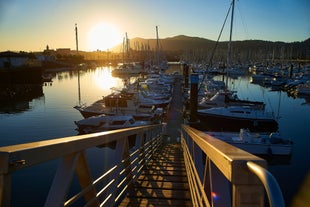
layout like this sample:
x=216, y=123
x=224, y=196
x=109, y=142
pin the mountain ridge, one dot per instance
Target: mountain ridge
x=196, y=41
x=241, y=49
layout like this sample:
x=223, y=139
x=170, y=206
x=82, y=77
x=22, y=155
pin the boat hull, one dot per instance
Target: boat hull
x=269, y=146
x=87, y=114
x=225, y=123
x=264, y=149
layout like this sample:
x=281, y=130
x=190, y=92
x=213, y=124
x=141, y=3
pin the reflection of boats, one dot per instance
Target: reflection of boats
x=255, y=143
x=105, y=123
x=228, y=98
x=303, y=89
x=236, y=117
x=16, y=98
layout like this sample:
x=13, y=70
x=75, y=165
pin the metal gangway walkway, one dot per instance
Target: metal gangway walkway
x=197, y=167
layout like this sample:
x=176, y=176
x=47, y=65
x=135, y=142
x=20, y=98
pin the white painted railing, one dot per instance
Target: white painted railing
x=220, y=174
x=132, y=149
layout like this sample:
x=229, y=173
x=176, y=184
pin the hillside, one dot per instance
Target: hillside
x=176, y=43
x=241, y=49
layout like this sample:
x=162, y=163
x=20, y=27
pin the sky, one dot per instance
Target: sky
x=31, y=25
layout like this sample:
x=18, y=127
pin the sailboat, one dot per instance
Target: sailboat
x=237, y=116
x=127, y=67
x=160, y=64
x=225, y=98
x=233, y=118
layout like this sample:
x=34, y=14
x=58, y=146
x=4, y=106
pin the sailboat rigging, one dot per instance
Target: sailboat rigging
x=216, y=44
x=230, y=35
x=159, y=63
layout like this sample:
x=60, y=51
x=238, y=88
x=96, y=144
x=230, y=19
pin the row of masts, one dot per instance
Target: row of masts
x=126, y=46
x=126, y=49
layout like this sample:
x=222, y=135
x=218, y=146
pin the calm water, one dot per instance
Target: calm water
x=52, y=116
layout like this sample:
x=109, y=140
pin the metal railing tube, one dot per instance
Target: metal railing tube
x=271, y=185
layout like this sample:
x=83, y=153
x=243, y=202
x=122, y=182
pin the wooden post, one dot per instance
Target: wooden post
x=185, y=75
x=194, y=97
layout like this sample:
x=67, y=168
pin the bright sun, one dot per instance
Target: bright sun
x=103, y=36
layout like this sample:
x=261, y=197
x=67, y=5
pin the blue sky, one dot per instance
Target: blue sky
x=30, y=25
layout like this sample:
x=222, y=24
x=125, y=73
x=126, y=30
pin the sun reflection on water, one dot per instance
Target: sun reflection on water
x=104, y=79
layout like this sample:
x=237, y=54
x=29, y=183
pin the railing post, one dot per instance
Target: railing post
x=248, y=195
x=62, y=181
x=247, y=190
x=5, y=180
x=85, y=179
x=5, y=190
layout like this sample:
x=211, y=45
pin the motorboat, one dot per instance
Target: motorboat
x=105, y=123
x=224, y=98
x=109, y=105
x=158, y=103
x=119, y=104
x=266, y=144
x=130, y=68
x=236, y=117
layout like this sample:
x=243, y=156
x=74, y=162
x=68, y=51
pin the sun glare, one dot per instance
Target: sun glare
x=103, y=36
x=104, y=80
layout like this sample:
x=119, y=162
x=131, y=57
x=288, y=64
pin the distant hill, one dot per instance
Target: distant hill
x=247, y=49
x=180, y=42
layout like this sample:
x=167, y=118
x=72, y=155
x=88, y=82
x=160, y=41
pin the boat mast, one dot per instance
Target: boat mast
x=157, y=47
x=77, y=52
x=123, y=57
x=127, y=46
x=230, y=36
x=76, y=39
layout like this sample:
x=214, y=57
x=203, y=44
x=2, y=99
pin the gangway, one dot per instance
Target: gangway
x=137, y=150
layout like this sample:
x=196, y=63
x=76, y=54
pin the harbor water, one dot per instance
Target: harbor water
x=52, y=116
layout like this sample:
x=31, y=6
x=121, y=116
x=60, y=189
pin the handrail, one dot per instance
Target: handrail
x=133, y=148
x=205, y=155
x=271, y=185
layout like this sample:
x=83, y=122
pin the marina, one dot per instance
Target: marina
x=108, y=112
x=43, y=119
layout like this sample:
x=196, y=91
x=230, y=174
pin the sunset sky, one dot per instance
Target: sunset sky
x=30, y=25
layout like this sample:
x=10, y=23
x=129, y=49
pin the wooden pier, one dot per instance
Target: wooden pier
x=163, y=181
